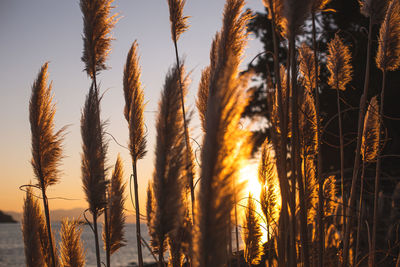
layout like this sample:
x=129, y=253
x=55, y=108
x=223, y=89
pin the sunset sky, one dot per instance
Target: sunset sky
x=33, y=32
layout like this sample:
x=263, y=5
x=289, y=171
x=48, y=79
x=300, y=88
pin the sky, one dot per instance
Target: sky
x=33, y=32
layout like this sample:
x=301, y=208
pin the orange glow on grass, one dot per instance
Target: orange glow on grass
x=248, y=178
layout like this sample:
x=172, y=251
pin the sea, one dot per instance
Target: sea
x=12, y=246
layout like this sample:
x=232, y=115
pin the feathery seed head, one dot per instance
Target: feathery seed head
x=71, y=250
x=97, y=26
x=224, y=145
x=252, y=234
x=308, y=125
x=169, y=162
x=32, y=222
x=369, y=145
x=94, y=153
x=46, y=144
x=307, y=66
x=116, y=208
x=134, y=106
x=338, y=64
x=388, y=55
x=178, y=21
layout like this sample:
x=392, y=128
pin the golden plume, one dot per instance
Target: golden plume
x=97, y=25
x=221, y=153
x=178, y=21
x=308, y=125
x=72, y=253
x=46, y=150
x=267, y=175
x=376, y=9
x=275, y=111
x=338, y=64
x=330, y=191
x=149, y=205
x=310, y=188
x=32, y=222
x=388, y=55
x=202, y=96
x=204, y=86
x=307, y=66
x=169, y=162
x=252, y=235
x=94, y=153
x=46, y=144
x=369, y=144
x=116, y=214
x=134, y=106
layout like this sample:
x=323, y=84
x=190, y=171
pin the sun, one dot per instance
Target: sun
x=248, y=176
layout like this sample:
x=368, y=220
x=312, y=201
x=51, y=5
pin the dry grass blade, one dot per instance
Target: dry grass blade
x=221, y=154
x=178, y=21
x=374, y=8
x=134, y=106
x=388, y=55
x=32, y=222
x=116, y=208
x=338, y=64
x=170, y=162
x=307, y=66
x=97, y=25
x=71, y=249
x=369, y=145
x=94, y=153
x=46, y=144
x=252, y=235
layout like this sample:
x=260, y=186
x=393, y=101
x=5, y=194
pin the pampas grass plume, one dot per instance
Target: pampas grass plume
x=307, y=66
x=94, y=153
x=369, y=145
x=32, y=222
x=252, y=234
x=97, y=26
x=169, y=162
x=134, y=106
x=116, y=208
x=46, y=144
x=338, y=64
x=178, y=21
x=72, y=253
x=388, y=55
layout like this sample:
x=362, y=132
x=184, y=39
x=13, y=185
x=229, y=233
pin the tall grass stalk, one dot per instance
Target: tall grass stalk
x=134, y=108
x=178, y=26
x=375, y=10
x=275, y=11
x=387, y=59
x=221, y=154
x=46, y=144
